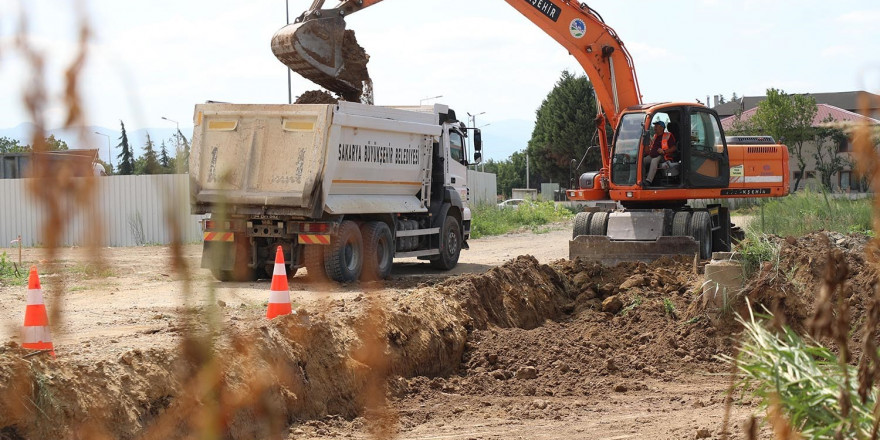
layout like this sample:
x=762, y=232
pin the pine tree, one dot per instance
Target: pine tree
x=182, y=155
x=151, y=162
x=126, y=158
x=564, y=129
x=164, y=160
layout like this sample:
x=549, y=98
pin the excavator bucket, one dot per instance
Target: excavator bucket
x=320, y=50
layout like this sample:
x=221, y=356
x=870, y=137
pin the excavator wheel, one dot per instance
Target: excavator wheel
x=681, y=224
x=701, y=231
x=581, y=224
x=599, y=223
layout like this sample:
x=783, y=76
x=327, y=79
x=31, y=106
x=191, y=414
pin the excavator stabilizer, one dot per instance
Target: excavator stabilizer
x=610, y=252
x=322, y=51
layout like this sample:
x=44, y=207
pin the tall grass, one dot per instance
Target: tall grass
x=491, y=220
x=808, y=211
x=804, y=380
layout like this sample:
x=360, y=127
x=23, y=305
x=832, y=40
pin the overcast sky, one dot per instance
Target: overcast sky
x=157, y=58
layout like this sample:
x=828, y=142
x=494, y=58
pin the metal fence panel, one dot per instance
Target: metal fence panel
x=483, y=187
x=124, y=211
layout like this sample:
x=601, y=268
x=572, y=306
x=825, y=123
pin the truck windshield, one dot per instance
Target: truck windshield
x=624, y=161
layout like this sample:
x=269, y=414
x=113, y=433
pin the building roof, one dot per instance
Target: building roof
x=823, y=112
x=843, y=100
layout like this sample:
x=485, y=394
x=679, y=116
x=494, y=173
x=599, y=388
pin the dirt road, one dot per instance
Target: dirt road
x=581, y=375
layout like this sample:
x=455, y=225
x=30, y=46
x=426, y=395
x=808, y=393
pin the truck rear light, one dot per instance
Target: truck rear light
x=314, y=227
x=211, y=225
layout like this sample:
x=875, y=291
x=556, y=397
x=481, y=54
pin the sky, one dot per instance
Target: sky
x=152, y=59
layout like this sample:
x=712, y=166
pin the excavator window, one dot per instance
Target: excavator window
x=708, y=161
x=624, y=162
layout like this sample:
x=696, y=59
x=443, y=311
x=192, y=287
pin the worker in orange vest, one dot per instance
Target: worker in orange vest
x=662, y=147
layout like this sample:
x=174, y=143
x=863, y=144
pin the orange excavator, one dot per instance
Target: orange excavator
x=645, y=217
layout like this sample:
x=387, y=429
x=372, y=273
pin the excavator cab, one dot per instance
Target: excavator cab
x=701, y=159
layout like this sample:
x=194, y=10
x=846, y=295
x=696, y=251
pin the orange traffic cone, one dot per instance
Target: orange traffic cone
x=279, y=293
x=35, y=334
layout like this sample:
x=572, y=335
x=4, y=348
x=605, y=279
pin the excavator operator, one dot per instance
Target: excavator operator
x=662, y=147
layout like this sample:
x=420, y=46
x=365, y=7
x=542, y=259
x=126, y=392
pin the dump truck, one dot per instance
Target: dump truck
x=342, y=188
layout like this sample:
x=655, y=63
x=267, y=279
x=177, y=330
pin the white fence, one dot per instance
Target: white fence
x=126, y=210
x=123, y=211
x=483, y=188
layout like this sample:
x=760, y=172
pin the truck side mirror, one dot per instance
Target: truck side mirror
x=478, y=141
x=478, y=158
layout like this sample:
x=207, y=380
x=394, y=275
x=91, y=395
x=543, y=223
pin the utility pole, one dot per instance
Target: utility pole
x=289, y=90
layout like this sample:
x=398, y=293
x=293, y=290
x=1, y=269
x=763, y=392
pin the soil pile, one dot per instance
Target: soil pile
x=521, y=330
x=316, y=97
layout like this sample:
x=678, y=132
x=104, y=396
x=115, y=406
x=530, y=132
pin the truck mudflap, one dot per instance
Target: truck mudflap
x=610, y=252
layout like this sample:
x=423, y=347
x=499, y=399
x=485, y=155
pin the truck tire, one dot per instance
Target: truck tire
x=378, y=251
x=701, y=230
x=313, y=260
x=240, y=272
x=581, y=224
x=450, y=244
x=681, y=224
x=345, y=255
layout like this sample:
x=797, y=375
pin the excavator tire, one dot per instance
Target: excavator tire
x=599, y=223
x=581, y=224
x=681, y=224
x=701, y=231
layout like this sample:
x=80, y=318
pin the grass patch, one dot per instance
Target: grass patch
x=8, y=275
x=669, y=308
x=807, y=211
x=490, y=220
x=755, y=250
x=90, y=270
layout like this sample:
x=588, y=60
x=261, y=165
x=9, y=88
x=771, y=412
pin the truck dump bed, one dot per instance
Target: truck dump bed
x=308, y=159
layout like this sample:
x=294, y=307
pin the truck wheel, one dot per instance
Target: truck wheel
x=581, y=224
x=313, y=256
x=599, y=223
x=701, y=230
x=450, y=245
x=241, y=247
x=345, y=255
x=378, y=251
x=681, y=224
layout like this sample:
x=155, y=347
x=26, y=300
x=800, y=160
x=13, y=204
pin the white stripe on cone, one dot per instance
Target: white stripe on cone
x=278, y=297
x=279, y=270
x=32, y=335
x=34, y=296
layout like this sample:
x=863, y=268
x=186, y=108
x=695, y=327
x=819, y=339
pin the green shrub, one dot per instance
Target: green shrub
x=490, y=220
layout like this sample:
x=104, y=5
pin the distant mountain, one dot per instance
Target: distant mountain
x=136, y=139
x=503, y=138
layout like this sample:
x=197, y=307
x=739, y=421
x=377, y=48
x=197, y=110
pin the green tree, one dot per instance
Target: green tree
x=126, y=158
x=789, y=119
x=182, y=154
x=164, y=160
x=565, y=124
x=828, y=142
x=53, y=144
x=8, y=145
x=150, y=163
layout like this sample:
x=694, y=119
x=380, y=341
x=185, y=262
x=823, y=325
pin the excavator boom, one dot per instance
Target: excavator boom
x=318, y=47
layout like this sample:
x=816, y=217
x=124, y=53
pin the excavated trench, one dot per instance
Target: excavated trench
x=521, y=329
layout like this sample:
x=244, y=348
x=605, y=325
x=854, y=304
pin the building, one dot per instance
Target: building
x=842, y=108
x=79, y=163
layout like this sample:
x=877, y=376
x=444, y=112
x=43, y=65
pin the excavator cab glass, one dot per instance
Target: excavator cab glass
x=706, y=158
x=625, y=152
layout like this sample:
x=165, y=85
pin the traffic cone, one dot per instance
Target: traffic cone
x=35, y=333
x=279, y=293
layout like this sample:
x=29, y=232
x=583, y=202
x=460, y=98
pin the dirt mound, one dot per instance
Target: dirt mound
x=354, y=70
x=316, y=97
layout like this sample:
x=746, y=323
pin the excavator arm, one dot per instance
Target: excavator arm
x=317, y=47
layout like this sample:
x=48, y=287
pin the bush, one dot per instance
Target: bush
x=490, y=220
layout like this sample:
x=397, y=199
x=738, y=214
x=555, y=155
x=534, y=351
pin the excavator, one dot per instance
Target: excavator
x=633, y=217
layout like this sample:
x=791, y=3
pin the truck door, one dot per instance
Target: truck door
x=456, y=163
x=706, y=156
